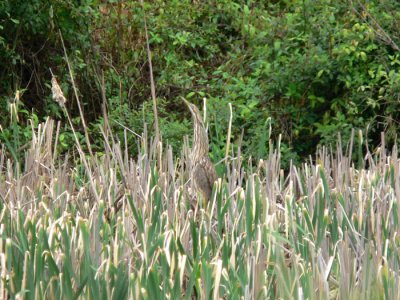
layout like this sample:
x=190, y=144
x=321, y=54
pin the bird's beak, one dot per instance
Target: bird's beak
x=188, y=104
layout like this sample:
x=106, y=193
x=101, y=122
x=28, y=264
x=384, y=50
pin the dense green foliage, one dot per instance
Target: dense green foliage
x=315, y=68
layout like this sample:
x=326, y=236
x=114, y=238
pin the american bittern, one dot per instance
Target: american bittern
x=204, y=174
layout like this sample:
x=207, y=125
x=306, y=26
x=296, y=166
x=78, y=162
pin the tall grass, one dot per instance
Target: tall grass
x=322, y=230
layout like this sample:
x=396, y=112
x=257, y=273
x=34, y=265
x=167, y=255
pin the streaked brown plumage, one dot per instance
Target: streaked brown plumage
x=204, y=174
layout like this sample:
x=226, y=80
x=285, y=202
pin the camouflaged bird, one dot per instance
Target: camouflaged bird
x=203, y=173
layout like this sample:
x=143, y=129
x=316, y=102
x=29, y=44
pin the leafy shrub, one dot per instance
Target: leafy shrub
x=315, y=68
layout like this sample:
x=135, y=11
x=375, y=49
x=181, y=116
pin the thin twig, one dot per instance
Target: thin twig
x=228, y=139
x=76, y=96
x=382, y=34
x=152, y=84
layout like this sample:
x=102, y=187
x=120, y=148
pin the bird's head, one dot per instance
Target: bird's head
x=195, y=112
x=200, y=138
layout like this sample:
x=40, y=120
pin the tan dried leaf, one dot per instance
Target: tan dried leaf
x=58, y=94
